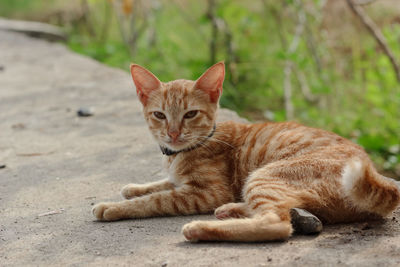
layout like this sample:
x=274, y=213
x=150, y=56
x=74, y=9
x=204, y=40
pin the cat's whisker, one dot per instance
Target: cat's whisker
x=194, y=142
x=206, y=147
x=220, y=141
x=214, y=139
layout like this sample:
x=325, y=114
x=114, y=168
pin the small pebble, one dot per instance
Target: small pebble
x=2, y=166
x=18, y=126
x=84, y=112
x=2, y=68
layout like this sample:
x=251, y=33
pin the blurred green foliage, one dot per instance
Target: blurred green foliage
x=340, y=79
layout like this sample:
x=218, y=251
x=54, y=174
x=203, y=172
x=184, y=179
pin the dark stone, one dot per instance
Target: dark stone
x=304, y=222
x=2, y=166
x=84, y=112
x=2, y=68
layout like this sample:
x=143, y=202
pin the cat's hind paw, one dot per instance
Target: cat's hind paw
x=133, y=190
x=231, y=210
x=107, y=211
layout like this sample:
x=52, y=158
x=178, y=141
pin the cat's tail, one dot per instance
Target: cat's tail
x=368, y=190
x=268, y=227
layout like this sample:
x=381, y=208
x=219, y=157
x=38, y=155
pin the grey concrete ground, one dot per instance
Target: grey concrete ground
x=58, y=165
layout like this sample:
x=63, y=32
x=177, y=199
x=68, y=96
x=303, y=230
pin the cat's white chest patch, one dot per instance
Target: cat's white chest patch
x=170, y=167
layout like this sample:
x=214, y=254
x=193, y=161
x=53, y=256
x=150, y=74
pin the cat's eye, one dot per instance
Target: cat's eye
x=159, y=115
x=191, y=114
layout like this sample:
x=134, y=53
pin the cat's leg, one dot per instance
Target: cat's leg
x=182, y=200
x=303, y=221
x=267, y=227
x=135, y=190
x=232, y=210
x=270, y=220
x=268, y=200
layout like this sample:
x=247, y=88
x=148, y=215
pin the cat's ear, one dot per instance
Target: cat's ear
x=211, y=81
x=145, y=82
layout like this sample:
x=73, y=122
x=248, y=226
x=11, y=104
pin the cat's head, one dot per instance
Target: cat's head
x=180, y=113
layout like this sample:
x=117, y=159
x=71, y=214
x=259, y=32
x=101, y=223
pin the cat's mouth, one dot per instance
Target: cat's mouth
x=178, y=144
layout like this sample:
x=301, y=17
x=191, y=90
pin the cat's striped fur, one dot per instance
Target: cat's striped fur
x=250, y=174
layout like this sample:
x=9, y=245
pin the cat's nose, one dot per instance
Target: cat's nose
x=174, y=135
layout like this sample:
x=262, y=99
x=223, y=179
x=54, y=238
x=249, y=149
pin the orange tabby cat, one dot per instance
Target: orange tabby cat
x=252, y=174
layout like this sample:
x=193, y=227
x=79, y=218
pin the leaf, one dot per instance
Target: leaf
x=372, y=142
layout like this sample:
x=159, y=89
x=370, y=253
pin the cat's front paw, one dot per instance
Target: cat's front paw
x=193, y=231
x=107, y=211
x=133, y=190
